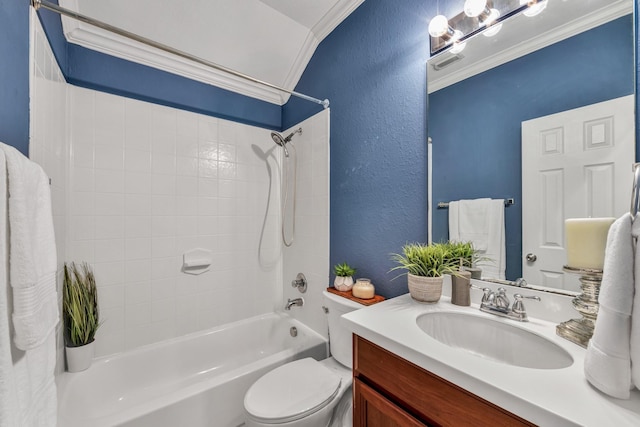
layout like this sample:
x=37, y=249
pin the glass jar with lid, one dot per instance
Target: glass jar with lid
x=363, y=288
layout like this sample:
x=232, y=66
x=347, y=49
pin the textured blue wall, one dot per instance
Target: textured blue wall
x=373, y=69
x=14, y=74
x=94, y=70
x=475, y=124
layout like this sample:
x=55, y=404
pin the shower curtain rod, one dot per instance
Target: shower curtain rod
x=37, y=4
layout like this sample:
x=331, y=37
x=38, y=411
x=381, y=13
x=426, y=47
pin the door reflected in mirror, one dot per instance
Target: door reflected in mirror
x=582, y=56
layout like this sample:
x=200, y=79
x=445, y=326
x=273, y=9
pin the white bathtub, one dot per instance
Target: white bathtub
x=197, y=380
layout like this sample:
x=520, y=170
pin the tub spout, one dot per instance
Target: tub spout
x=291, y=302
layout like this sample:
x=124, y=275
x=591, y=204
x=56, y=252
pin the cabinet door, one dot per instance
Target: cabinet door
x=371, y=409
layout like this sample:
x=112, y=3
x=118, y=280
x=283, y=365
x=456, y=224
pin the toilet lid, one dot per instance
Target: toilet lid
x=292, y=391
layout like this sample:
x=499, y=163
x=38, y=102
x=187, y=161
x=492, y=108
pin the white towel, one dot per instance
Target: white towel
x=468, y=222
x=607, y=364
x=481, y=222
x=635, y=311
x=32, y=251
x=27, y=386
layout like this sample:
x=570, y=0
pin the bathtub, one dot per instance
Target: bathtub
x=197, y=380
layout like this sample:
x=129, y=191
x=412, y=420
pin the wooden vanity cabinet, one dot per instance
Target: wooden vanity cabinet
x=389, y=391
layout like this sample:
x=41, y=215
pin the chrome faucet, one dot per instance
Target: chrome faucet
x=291, y=302
x=498, y=304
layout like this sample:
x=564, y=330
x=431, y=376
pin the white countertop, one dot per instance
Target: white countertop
x=546, y=397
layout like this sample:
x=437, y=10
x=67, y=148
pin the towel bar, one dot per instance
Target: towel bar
x=507, y=202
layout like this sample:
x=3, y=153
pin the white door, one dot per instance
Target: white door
x=575, y=164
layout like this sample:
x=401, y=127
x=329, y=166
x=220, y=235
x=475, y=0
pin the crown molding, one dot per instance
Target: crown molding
x=334, y=17
x=111, y=44
x=588, y=22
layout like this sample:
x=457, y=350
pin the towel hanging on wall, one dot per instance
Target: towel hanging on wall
x=32, y=251
x=481, y=222
x=27, y=386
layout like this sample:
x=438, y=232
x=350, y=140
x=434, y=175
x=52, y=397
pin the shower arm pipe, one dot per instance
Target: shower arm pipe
x=37, y=4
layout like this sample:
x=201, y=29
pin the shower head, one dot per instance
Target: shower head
x=278, y=139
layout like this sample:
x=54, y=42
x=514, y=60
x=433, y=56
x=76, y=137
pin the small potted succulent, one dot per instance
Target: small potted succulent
x=80, y=315
x=344, y=277
x=425, y=265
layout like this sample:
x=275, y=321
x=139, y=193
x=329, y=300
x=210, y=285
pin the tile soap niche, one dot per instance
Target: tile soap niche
x=196, y=261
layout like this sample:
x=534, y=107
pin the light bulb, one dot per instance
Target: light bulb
x=491, y=27
x=457, y=46
x=535, y=7
x=493, y=17
x=473, y=8
x=439, y=26
x=492, y=30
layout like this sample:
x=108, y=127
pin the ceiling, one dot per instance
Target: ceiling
x=271, y=40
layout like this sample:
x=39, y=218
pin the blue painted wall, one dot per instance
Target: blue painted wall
x=14, y=74
x=373, y=69
x=94, y=70
x=475, y=124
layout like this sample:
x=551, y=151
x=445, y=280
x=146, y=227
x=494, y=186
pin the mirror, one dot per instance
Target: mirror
x=574, y=54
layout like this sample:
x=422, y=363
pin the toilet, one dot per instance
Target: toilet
x=308, y=393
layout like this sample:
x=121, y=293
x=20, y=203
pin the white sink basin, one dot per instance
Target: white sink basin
x=494, y=340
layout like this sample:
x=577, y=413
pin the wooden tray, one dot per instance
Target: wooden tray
x=348, y=295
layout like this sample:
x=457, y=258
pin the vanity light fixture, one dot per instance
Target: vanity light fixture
x=478, y=16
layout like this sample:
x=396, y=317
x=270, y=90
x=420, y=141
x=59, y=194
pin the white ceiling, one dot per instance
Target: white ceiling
x=271, y=40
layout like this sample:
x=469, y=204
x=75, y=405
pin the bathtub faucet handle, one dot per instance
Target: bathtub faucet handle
x=300, y=282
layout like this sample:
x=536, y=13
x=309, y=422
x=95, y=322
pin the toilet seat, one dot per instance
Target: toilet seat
x=291, y=392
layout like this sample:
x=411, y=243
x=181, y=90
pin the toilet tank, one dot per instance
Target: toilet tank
x=340, y=341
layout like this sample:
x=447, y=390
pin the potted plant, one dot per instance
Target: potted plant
x=80, y=315
x=425, y=266
x=344, y=277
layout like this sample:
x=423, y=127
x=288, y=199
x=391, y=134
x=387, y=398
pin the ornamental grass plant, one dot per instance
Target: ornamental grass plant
x=79, y=305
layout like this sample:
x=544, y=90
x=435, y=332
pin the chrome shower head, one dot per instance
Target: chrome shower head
x=278, y=139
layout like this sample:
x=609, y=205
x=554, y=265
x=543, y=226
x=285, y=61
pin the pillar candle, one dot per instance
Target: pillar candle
x=586, y=241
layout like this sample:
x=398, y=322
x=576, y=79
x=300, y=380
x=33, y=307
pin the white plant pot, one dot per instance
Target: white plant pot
x=343, y=283
x=80, y=358
x=425, y=289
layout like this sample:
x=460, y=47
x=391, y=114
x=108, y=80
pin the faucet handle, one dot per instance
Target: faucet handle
x=518, y=306
x=502, y=300
x=300, y=282
x=488, y=295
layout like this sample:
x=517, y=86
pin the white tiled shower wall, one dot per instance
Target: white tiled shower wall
x=48, y=141
x=135, y=184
